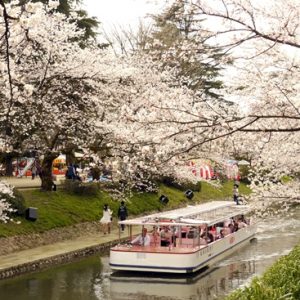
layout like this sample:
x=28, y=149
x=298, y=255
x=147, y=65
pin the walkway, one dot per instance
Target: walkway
x=27, y=182
x=45, y=256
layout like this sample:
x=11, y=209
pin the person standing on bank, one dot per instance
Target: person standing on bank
x=236, y=193
x=122, y=214
x=106, y=219
x=33, y=171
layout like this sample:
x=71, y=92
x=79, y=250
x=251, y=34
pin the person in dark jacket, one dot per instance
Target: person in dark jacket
x=122, y=214
x=71, y=172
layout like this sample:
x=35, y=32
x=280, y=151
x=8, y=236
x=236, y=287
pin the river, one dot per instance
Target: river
x=92, y=279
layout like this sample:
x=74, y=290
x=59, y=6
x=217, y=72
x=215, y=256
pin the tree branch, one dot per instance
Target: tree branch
x=244, y=24
x=6, y=36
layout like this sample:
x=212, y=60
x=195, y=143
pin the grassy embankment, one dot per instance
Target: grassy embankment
x=59, y=209
x=280, y=281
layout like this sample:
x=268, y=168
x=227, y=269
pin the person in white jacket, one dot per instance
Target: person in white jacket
x=106, y=219
x=143, y=239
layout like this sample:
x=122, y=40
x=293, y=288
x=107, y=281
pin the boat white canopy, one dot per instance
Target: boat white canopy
x=208, y=213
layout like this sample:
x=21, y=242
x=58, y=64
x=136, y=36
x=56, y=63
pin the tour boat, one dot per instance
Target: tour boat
x=184, y=240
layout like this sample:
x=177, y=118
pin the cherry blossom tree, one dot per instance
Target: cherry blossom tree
x=263, y=39
x=263, y=82
x=49, y=84
x=54, y=93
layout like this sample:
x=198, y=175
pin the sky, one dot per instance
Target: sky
x=122, y=12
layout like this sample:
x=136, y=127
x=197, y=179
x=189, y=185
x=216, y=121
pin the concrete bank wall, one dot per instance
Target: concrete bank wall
x=18, y=243
x=48, y=262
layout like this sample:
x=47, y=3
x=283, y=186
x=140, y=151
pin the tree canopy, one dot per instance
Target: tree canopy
x=67, y=7
x=179, y=42
x=55, y=92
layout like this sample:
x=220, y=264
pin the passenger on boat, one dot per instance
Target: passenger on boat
x=219, y=227
x=236, y=194
x=235, y=226
x=222, y=234
x=192, y=233
x=213, y=231
x=155, y=235
x=241, y=224
x=184, y=231
x=229, y=229
x=244, y=219
x=165, y=236
x=227, y=222
x=207, y=236
x=143, y=239
x=174, y=235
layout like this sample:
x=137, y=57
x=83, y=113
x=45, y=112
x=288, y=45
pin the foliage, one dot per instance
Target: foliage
x=244, y=173
x=183, y=186
x=174, y=43
x=17, y=203
x=6, y=195
x=263, y=120
x=77, y=187
x=280, y=281
x=66, y=7
x=45, y=76
x=144, y=186
x=61, y=208
x=286, y=179
x=146, y=118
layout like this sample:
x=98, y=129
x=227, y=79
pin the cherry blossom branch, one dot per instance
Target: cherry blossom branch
x=6, y=35
x=287, y=98
x=290, y=129
x=251, y=28
x=216, y=137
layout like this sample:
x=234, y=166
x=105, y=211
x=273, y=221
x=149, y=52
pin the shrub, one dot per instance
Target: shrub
x=17, y=203
x=145, y=186
x=281, y=281
x=182, y=186
x=81, y=188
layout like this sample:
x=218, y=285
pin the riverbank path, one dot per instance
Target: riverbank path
x=43, y=257
x=28, y=182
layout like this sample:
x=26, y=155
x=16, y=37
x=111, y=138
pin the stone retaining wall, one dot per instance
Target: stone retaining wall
x=48, y=262
x=17, y=243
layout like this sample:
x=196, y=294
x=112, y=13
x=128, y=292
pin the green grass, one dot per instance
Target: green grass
x=280, y=281
x=286, y=179
x=60, y=209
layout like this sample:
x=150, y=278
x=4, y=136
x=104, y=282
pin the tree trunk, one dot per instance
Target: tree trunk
x=46, y=172
x=70, y=159
x=8, y=165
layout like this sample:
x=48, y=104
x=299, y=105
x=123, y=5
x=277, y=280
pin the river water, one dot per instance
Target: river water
x=92, y=279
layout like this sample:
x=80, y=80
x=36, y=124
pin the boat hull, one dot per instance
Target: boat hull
x=178, y=259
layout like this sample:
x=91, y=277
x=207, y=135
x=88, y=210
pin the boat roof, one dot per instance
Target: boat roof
x=208, y=213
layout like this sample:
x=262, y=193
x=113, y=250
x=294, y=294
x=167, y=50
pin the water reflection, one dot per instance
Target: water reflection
x=205, y=285
x=92, y=279
x=74, y=281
